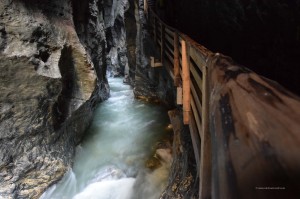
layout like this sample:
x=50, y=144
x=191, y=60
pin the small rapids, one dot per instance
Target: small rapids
x=110, y=163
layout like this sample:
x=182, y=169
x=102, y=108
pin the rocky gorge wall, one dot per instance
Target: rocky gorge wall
x=152, y=84
x=53, y=74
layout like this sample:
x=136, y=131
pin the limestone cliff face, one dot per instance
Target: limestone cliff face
x=131, y=32
x=103, y=33
x=149, y=83
x=51, y=81
x=146, y=78
x=116, y=36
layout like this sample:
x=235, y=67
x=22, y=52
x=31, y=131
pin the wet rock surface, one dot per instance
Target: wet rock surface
x=131, y=32
x=116, y=37
x=183, y=181
x=49, y=89
x=151, y=84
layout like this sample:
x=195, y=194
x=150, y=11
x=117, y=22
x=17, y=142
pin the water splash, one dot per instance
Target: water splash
x=67, y=185
x=108, y=189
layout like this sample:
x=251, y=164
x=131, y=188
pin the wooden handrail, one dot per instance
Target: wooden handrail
x=255, y=136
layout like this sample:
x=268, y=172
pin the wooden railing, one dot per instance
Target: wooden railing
x=185, y=60
x=245, y=128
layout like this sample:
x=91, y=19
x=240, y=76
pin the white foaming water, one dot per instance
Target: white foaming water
x=110, y=162
x=118, y=189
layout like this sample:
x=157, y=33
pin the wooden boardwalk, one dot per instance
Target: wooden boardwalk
x=245, y=129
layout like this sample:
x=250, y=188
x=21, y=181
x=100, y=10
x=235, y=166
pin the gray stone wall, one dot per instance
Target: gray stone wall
x=51, y=81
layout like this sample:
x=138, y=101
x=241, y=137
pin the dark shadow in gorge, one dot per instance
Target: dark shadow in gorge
x=262, y=35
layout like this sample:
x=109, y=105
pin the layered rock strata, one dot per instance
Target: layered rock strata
x=51, y=81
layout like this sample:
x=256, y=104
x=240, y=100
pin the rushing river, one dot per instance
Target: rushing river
x=110, y=163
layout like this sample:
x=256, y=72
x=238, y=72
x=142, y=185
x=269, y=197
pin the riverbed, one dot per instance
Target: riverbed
x=110, y=162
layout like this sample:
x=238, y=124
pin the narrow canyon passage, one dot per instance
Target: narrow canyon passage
x=110, y=163
x=68, y=133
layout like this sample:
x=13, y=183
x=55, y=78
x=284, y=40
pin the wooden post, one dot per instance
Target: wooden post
x=176, y=59
x=162, y=47
x=205, y=162
x=146, y=7
x=186, y=82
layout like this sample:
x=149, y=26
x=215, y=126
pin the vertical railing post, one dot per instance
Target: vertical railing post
x=205, y=162
x=176, y=60
x=186, y=82
x=162, y=47
x=146, y=7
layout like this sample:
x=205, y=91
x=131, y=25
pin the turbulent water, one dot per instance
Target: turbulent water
x=110, y=163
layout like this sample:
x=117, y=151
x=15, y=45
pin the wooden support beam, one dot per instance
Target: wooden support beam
x=186, y=82
x=205, y=162
x=154, y=63
x=176, y=60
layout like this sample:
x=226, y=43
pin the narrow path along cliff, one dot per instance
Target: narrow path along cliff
x=110, y=163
